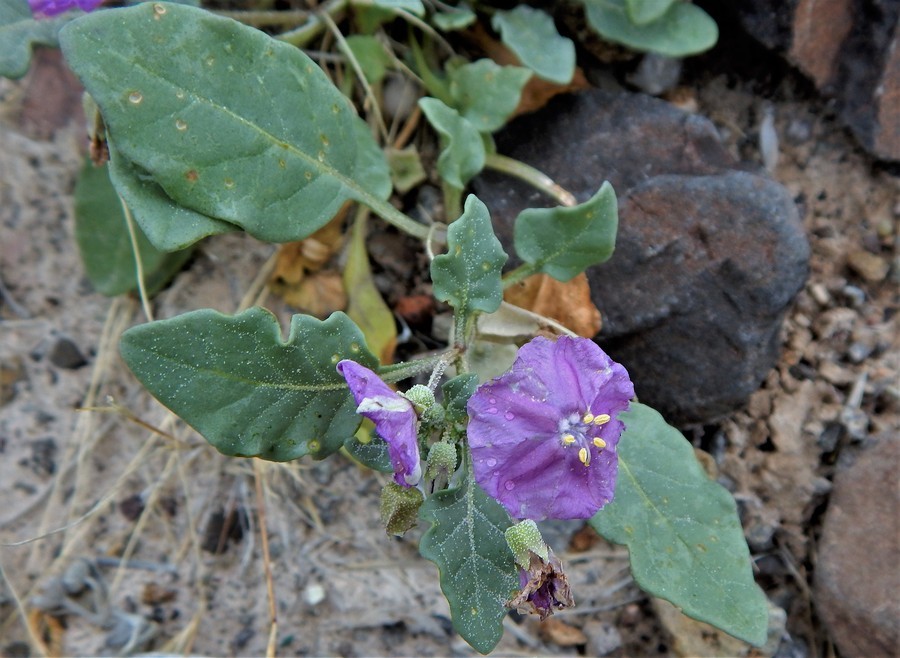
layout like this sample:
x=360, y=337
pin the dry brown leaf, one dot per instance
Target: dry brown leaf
x=319, y=294
x=561, y=634
x=568, y=303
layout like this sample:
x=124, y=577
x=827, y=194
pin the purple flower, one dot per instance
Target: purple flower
x=44, y=8
x=545, y=587
x=543, y=435
x=394, y=417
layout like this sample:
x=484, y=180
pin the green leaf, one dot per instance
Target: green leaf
x=373, y=454
x=468, y=275
x=457, y=392
x=641, y=12
x=531, y=34
x=407, y=171
x=454, y=18
x=683, y=30
x=486, y=94
x=105, y=244
x=167, y=225
x=564, y=241
x=414, y=7
x=463, y=155
x=682, y=529
x=20, y=32
x=478, y=575
x=248, y=392
x=229, y=122
x=371, y=55
x=365, y=306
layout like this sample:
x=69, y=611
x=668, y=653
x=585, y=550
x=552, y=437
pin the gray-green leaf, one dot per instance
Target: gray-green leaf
x=105, y=244
x=463, y=154
x=486, y=94
x=468, y=275
x=564, y=241
x=682, y=529
x=478, y=575
x=247, y=391
x=20, y=32
x=531, y=34
x=683, y=30
x=642, y=12
x=229, y=122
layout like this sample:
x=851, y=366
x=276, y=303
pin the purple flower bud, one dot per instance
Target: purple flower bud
x=46, y=8
x=394, y=417
x=543, y=435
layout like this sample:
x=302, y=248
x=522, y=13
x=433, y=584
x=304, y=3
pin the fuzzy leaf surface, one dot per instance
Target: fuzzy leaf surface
x=642, y=12
x=105, y=244
x=683, y=30
x=682, y=530
x=478, y=574
x=531, y=34
x=229, y=122
x=486, y=94
x=563, y=241
x=247, y=391
x=468, y=275
x=463, y=154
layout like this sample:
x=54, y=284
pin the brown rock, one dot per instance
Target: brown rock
x=857, y=579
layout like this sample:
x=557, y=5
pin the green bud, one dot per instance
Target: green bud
x=421, y=396
x=441, y=460
x=400, y=508
x=523, y=539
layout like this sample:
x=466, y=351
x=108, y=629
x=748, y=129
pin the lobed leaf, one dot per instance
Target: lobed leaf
x=228, y=122
x=105, y=243
x=478, y=574
x=373, y=454
x=562, y=242
x=682, y=529
x=468, y=275
x=532, y=36
x=683, y=30
x=486, y=94
x=248, y=392
x=463, y=155
x=20, y=32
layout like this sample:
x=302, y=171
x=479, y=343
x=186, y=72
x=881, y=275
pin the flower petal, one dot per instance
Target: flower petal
x=46, y=8
x=517, y=422
x=394, y=417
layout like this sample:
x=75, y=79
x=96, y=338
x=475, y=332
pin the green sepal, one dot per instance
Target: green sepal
x=478, y=574
x=564, y=241
x=399, y=508
x=682, y=529
x=245, y=389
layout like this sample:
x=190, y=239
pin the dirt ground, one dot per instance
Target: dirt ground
x=95, y=473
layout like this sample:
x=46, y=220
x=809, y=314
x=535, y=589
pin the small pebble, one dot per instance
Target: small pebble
x=820, y=294
x=798, y=131
x=855, y=296
x=65, y=354
x=313, y=594
x=870, y=267
x=859, y=352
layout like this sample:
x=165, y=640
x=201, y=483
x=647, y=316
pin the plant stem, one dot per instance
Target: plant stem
x=314, y=24
x=452, y=201
x=260, y=17
x=406, y=369
x=514, y=276
x=394, y=217
x=532, y=176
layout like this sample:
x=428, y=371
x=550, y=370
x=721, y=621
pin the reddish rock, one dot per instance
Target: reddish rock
x=851, y=51
x=857, y=577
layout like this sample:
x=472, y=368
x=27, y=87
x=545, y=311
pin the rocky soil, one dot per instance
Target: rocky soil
x=95, y=473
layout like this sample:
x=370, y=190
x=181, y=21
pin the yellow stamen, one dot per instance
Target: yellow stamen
x=584, y=456
x=602, y=419
x=568, y=439
x=600, y=443
x=588, y=417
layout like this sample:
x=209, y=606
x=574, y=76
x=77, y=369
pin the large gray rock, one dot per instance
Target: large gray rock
x=708, y=256
x=857, y=578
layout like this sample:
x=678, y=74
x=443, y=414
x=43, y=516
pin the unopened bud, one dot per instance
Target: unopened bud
x=441, y=460
x=523, y=539
x=421, y=396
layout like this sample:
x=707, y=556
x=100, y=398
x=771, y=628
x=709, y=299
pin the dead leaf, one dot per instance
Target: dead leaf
x=561, y=634
x=365, y=306
x=568, y=303
x=319, y=294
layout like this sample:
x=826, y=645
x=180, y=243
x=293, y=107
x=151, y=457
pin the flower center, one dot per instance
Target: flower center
x=576, y=430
